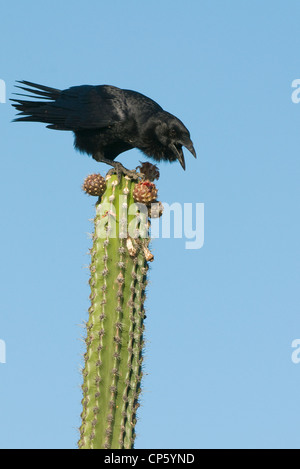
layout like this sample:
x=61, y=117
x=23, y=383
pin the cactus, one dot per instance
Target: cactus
x=112, y=370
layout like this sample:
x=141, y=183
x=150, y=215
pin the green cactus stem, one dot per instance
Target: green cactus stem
x=114, y=332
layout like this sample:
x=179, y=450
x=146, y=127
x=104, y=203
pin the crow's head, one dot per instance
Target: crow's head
x=166, y=136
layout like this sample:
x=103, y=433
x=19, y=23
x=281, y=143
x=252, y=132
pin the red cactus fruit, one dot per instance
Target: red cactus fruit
x=145, y=192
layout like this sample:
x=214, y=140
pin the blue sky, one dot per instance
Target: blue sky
x=220, y=320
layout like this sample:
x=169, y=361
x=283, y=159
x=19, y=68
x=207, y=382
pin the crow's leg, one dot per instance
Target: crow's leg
x=118, y=168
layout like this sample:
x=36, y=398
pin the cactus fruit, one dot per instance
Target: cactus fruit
x=94, y=184
x=155, y=210
x=150, y=171
x=145, y=192
x=112, y=370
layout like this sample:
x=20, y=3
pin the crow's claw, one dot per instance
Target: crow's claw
x=120, y=170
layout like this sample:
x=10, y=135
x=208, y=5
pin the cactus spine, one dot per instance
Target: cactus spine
x=114, y=332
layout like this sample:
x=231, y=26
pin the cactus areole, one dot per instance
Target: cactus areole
x=112, y=370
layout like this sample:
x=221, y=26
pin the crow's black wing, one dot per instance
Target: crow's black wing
x=77, y=108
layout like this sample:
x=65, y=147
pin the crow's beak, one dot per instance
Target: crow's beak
x=177, y=150
x=191, y=149
x=181, y=159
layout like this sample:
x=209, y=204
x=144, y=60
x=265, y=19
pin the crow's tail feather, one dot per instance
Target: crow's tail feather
x=43, y=91
x=35, y=111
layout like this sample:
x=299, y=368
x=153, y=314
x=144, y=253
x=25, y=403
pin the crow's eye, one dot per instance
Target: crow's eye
x=172, y=133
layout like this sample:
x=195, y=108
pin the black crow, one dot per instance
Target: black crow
x=107, y=121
